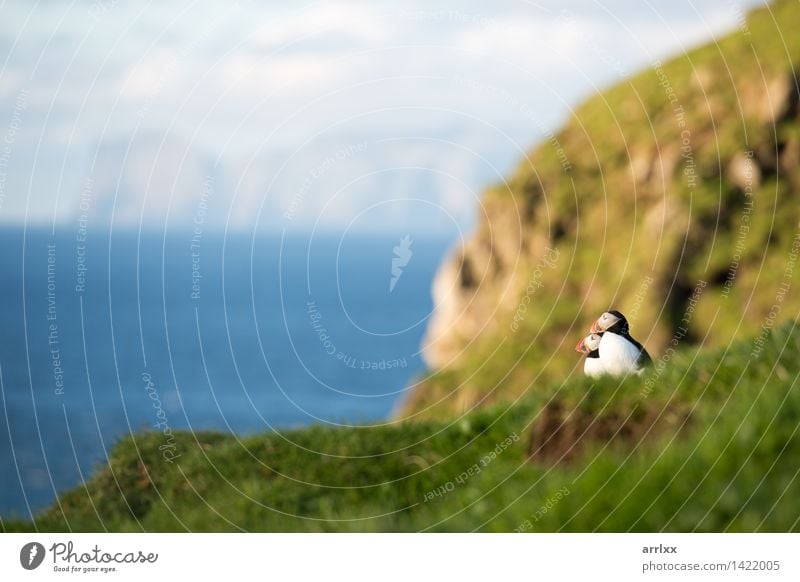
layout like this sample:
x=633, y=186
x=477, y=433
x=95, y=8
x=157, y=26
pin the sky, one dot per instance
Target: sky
x=269, y=116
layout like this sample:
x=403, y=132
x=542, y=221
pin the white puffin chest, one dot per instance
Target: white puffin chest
x=593, y=367
x=618, y=355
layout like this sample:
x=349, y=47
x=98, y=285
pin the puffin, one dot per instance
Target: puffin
x=621, y=353
x=590, y=345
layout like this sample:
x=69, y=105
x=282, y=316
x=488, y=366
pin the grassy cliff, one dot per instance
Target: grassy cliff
x=708, y=443
x=672, y=196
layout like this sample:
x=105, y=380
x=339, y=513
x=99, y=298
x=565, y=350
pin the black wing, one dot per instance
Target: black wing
x=644, y=358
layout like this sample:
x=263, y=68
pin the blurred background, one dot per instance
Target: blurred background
x=229, y=216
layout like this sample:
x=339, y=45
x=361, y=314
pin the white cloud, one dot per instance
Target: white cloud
x=537, y=44
x=200, y=70
x=10, y=82
x=290, y=73
x=149, y=78
x=358, y=22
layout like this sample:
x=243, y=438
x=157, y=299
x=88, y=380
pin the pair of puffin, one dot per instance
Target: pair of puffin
x=610, y=349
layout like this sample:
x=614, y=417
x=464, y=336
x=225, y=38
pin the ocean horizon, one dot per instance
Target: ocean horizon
x=110, y=333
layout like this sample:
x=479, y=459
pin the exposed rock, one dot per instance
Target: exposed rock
x=702, y=78
x=664, y=167
x=773, y=100
x=743, y=172
x=790, y=156
x=641, y=166
x=451, y=288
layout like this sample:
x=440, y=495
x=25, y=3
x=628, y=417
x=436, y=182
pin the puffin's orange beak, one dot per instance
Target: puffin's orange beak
x=594, y=328
x=581, y=347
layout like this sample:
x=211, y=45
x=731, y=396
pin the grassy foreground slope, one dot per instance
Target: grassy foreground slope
x=708, y=443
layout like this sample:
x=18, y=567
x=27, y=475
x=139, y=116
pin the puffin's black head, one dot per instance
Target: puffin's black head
x=612, y=321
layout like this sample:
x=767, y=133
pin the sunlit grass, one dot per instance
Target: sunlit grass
x=712, y=446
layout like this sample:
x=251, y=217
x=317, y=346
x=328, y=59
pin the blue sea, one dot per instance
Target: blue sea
x=104, y=334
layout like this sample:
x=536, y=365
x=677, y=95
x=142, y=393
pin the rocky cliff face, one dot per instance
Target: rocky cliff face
x=672, y=196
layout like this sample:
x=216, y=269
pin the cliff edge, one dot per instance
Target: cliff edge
x=672, y=196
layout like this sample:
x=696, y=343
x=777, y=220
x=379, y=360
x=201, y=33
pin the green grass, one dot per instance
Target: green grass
x=712, y=446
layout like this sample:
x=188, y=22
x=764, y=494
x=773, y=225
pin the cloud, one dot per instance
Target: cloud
x=290, y=73
x=10, y=83
x=165, y=68
x=341, y=23
x=273, y=83
x=537, y=44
